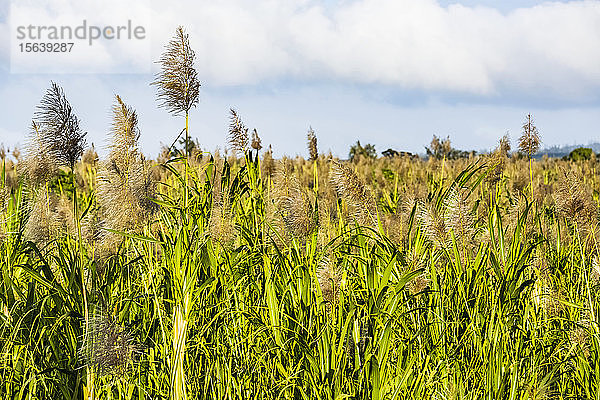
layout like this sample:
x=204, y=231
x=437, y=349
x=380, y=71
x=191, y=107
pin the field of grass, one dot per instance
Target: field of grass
x=243, y=277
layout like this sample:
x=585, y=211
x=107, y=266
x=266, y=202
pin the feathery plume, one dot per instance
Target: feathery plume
x=256, y=142
x=58, y=127
x=329, y=278
x=40, y=162
x=177, y=82
x=433, y=224
x=418, y=284
x=268, y=164
x=92, y=226
x=457, y=214
x=221, y=227
x=64, y=216
x=5, y=198
x=312, y=144
x=498, y=160
x=142, y=187
x=504, y=145
x=572, y=199
x=126, y=184
x=529, y=142
x=126, y=198
x=178, y=87
x=238, y=133
x=42, y=224
x=579, y=337
x=16, y=153
x=294, y=204
x=124, y=133
x=393, y=225
x=90, y=157
x=357, y=195
x=108, y=347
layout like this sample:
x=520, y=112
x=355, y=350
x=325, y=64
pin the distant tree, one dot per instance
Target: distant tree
x=184, y=148
x=439, y=149
x=580, y=154
x=179, y=148
x=390, y=153
x=357, y=150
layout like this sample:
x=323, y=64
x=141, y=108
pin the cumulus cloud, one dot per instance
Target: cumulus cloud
x=350, y=61
x=418, y=44
x=549, y=49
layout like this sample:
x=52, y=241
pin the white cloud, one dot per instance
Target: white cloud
x=418, y=44
x=549, y=49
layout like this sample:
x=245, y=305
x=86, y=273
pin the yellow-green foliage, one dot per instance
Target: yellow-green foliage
x=392, y=278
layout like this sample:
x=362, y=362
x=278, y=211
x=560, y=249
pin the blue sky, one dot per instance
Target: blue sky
x=388, y=72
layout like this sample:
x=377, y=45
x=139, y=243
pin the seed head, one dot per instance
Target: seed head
x=433, y=224
x=64, y=216
x=329, y=278
x=394, y=227
x=312, y=144
x=90, y=157
x=126, y=184
x=256, y=142
x=498, y=160
x=418, y=284
x=238, y=133
x=221, y=224
x=529, y=142
x=40, y=162
x=358, y=197
x=42, y=225
x=58, y=127
x=294, y=204
x=124, y=133
x=177, y=82
x=268, y=164
x=107, y=347
x=504, y=145
x=16, y=153
x=457, y=214
x=572, y=199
